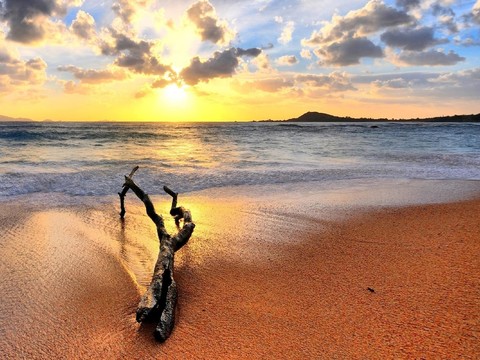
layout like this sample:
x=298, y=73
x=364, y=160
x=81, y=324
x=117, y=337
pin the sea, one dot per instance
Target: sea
x=90, y=159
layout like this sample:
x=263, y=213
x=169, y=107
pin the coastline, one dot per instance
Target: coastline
x=265, y=275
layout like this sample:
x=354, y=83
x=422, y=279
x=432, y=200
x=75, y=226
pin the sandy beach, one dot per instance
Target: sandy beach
x=263, y=277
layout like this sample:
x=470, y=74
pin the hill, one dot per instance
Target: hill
x=8, y=118
x=312, y=116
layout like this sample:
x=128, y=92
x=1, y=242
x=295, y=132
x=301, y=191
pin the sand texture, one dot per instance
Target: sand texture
x=256, y=281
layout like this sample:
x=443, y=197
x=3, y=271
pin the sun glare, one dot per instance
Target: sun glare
x=174, y=94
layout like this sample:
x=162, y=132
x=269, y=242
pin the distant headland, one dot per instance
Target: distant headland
x=9, y=119
x=313, y=116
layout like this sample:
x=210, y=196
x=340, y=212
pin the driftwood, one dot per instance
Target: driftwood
x=123, y=193
x=161, y=294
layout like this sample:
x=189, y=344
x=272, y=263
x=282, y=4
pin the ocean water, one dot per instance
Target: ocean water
x=81, y=159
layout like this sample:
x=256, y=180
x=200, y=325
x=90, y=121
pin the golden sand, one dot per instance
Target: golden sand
x=255, y=281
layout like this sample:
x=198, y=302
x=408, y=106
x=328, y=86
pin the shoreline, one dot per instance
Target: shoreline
x=263, y=278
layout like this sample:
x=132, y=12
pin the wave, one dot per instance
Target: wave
x=108, y=181
x=91, y=159
x=22, y=136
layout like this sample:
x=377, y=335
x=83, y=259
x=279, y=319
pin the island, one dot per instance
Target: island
x=313, y=116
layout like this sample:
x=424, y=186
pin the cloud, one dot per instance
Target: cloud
x=271, y=85
x=460, y=78
x=439, y=86
x=476, y=12
x=407, y=4
x=28, y=20
x=445, y=16
x=203, y=15
x=349, y=52
x=252, y=52
x=374, y=16
x=262, y=62
x=287, y=60
x=142, y=93
x=455, y=85
x=126, y=9
x=306, y=54
x=135, y=55
x=335, y=81
x=411, y=39
x=431, y=58
x=468, y=41
x=161, y=83
x=397, y=83
x=286, y=35
x=409, y=77
x=84, y=26
x=220, y=65
x=16, y=74
x=91, y=76
x=460, y=85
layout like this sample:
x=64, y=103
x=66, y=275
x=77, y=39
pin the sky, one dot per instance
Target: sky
x=224, y=60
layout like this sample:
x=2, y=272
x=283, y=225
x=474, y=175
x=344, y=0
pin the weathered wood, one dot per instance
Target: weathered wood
x=123, y=193
x=161, y=295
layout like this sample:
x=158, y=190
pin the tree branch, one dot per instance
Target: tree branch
x=162, y=292
x=123, y=193
x=184, y=234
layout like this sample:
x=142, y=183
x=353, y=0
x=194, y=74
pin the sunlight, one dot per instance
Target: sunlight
x=174, y=94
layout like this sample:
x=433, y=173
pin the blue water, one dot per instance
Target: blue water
x=91, y=159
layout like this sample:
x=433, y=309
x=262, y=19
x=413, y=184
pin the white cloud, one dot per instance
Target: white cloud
x=306, y=54
x=287, y=32
x=287, y=60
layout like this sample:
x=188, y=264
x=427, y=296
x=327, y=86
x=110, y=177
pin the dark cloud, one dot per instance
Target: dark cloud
x=135, y=55
x=144, y=64
x=253, y=52
x=27, y=18
x=407, y=4
x=431, y=58
x=84, y=26
x=446, y=17
x=222, y=64
x=349, y=51
x=411, y=39
x=374, y=16
x=90, y=76
x=210, y=28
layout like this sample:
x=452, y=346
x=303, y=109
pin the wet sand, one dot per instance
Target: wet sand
x=283, y=278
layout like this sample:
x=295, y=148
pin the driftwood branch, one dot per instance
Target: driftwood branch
x=161, y=295
x=123, y=193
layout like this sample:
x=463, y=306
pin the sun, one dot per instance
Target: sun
x=174, y=94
